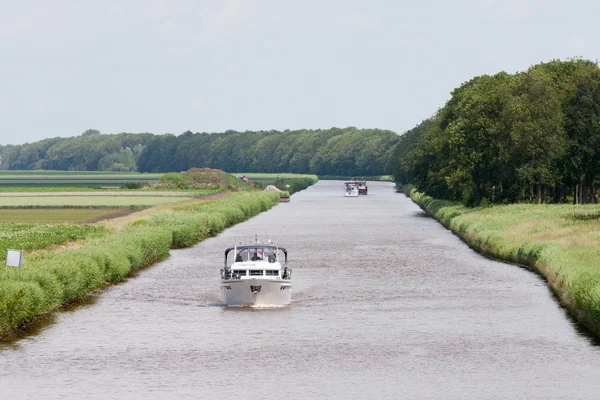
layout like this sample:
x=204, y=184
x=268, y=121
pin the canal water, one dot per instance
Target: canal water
x=386, y=304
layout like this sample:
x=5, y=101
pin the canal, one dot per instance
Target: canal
x=386, y=303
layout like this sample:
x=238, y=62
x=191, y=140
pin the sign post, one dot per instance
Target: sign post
x=14, y=258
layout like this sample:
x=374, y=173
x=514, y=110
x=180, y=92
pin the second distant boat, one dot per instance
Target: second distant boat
x=362, y=187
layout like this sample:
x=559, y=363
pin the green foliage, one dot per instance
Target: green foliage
x=349, y=151
x=201, y=181
x=133, y=185
x=175, y=180
x=293, y=185
x=532, y=136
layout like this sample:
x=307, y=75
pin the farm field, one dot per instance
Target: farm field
x=170, y=193
x=55, y=215
x=35, y=236
x=91, y=189
x=96, y=201
x=70, y=179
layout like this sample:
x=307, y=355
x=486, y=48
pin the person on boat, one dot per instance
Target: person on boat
x=256, y=257
x=239, y=258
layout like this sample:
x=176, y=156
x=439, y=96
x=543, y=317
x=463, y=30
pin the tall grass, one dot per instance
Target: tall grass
x=52, y=279
x=561, y=242
x=293, y=185
x=23, y=236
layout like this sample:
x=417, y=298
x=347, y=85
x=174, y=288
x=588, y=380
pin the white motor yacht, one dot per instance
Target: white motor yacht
x=254, y=276
x=351, y=189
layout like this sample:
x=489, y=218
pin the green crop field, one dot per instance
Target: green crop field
x=53, y=215
x=30, y=237
x=54, y=201
x=71, y=178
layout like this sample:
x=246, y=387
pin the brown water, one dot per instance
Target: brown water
x=386, y=304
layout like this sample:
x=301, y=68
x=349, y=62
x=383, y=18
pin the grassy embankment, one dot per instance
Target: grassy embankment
x=561, y=242
x=107, y=252
x=51, y=279
x=296, y=182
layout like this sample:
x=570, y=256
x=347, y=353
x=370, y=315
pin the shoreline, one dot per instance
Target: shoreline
x=53, y=280
x=494, y=245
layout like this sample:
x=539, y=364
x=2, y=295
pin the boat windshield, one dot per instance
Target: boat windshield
x=256, y=254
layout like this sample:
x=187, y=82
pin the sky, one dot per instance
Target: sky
x=213, y=65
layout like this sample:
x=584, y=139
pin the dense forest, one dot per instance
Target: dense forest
x=348, y=151
x=533, y=136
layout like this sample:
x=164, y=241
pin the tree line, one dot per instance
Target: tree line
x=336, y=151
x=532, y=136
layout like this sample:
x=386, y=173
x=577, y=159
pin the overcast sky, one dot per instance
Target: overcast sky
x=213, y=65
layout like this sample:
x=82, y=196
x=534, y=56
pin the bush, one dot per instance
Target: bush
x=133, y=185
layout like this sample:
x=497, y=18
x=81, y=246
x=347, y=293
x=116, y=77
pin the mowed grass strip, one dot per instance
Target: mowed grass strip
x=89, y=200
x=53, y=215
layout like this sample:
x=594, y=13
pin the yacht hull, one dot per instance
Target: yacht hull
x=256, y=292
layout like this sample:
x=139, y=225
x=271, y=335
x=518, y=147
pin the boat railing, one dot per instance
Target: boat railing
x=229, y=274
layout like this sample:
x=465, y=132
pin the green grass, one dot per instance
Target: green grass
x=73, y=178
x=273, y=177
x=50, y=279
x=53, y=215
x=22, y=236
x=201, y=181
x=72, y=173
x=291, y=183
x=43, y=189
x=89, y=200
x=561, y=242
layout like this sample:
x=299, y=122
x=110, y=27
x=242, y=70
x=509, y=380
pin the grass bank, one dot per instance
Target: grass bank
x=49, y=280
x=561, y=242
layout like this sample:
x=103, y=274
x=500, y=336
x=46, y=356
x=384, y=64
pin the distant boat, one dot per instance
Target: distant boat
x=351, y=189
x=362, y=187
x=254, y=276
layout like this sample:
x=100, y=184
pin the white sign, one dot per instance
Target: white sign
x=14, y=258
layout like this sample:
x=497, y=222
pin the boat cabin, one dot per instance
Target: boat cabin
x=255, y=261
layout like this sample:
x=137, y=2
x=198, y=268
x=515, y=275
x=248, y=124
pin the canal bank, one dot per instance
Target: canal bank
x=50, y=280
x=559, y=242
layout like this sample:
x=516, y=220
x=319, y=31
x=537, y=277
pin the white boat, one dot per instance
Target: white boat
x=351, y=189
x=254, y=276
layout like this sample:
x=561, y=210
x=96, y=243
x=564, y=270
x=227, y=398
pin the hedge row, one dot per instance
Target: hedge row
x=295, y=184
x=48, y=281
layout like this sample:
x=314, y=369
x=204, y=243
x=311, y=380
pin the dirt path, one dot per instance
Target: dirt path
x=117, y=214
x=121, y=221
